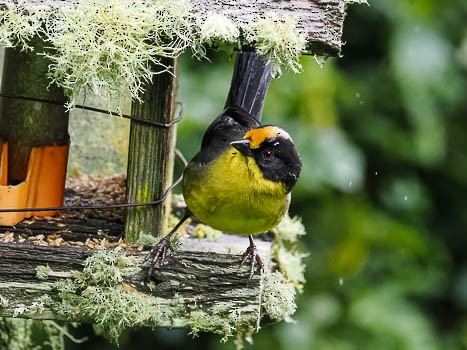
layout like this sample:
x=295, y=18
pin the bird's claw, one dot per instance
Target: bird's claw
x=251, y=254
x=157, y=254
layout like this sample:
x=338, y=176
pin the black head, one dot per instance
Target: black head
x=274, y=152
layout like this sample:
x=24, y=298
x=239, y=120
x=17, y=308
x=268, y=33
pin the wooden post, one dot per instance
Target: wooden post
x=151, y=156
x=28, y=124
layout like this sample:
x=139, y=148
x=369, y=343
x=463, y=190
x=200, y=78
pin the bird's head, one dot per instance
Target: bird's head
x=274, y=152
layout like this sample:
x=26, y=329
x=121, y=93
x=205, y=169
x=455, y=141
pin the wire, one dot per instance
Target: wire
x=99, y=110
x=110, y=206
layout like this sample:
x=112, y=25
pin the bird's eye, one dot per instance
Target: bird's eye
x=267, y=155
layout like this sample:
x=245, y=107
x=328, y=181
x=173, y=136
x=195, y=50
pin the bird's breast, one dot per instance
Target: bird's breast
x=231, y=194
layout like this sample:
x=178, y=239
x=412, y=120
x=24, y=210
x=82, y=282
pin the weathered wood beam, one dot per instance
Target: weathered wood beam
x=151, y=155
x=203, y=273
x=321, y=20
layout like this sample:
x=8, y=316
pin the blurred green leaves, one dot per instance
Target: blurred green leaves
x=382, y=135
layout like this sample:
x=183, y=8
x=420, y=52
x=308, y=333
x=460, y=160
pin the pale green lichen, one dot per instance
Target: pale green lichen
x=280, y=41
x=22, y=334
x=3, y=301
x=19, y=25
x=43, y=272
x=278, y=298
x=107, y=48
x=223, y=319
x=35, y=307
x=216, y=28
x=104, y=268
x=286, y=251
x=98, y=294
x=291, y=264
x=289, y=229
x=114, y=48
x=114, y=306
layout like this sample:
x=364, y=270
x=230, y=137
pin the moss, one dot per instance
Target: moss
x=43, y=272
x=146, y=240
x=113, y=48
x=278, y=298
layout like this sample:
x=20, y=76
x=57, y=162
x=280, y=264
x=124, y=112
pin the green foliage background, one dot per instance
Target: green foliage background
x=383, y=136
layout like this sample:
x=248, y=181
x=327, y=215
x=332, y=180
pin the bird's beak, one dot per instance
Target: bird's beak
x=243, y=146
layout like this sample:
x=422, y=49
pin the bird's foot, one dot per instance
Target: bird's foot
x=157, y=254
x=252, y=255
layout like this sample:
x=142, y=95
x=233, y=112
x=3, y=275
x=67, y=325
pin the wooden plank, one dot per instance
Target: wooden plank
x=321, y=20
x=204, y=274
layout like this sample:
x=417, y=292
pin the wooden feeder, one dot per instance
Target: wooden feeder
x=33, y=154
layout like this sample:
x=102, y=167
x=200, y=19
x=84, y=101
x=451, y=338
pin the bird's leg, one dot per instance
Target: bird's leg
x=251, y=253
x=158, y=253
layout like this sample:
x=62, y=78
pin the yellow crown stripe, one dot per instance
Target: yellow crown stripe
x=259, y=135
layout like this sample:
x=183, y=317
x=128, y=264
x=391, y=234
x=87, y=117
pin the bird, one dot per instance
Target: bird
x=240, y=180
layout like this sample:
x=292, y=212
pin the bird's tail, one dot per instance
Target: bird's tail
x=250, y=83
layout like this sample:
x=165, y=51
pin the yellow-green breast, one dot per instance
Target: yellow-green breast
x=231, y=194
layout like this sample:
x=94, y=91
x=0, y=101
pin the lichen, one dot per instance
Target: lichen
x=35, y=307
x=280, y=41
x=291, y=264
x=19, y=25
x=98, y=295
x=289, y=229
x=107, y=48
x=113, y=48
x=21, y=334
x=223, y=319
x=43, y=272
x=278, y=298
x=205, y=231
x=104, y=268
x=286, y=251
x=217, y=29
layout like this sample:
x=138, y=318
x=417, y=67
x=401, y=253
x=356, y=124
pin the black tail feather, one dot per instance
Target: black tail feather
x=250, y=83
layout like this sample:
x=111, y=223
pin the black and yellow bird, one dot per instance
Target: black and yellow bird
x=240, y=180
